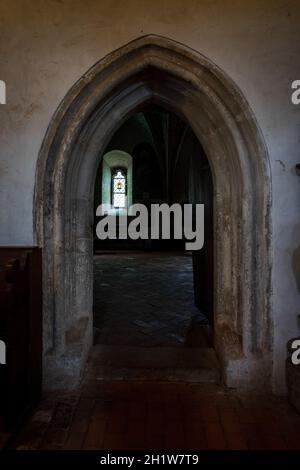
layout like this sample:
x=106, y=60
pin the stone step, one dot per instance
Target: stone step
x=159, y=363
x=159, y=375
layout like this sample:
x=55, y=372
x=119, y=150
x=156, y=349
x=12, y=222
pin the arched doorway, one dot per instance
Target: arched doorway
x=152, y=309
x=158, y=70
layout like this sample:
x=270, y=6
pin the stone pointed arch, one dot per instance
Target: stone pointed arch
x=160, y=70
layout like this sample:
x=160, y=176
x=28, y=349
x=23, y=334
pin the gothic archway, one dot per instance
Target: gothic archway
x=159, y=70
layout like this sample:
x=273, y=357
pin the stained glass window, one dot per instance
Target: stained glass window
x=119, y=189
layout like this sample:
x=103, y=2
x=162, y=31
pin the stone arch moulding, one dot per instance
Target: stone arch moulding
x=159, y=70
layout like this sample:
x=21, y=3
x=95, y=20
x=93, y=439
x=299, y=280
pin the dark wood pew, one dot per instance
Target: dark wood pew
x=21, y=330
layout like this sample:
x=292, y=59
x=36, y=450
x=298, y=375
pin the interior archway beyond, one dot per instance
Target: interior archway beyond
x=158, y=70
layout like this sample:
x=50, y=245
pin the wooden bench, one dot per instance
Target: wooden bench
x=21, y=330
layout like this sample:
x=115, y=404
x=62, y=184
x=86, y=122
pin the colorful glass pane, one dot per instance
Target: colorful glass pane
x=119, y=189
